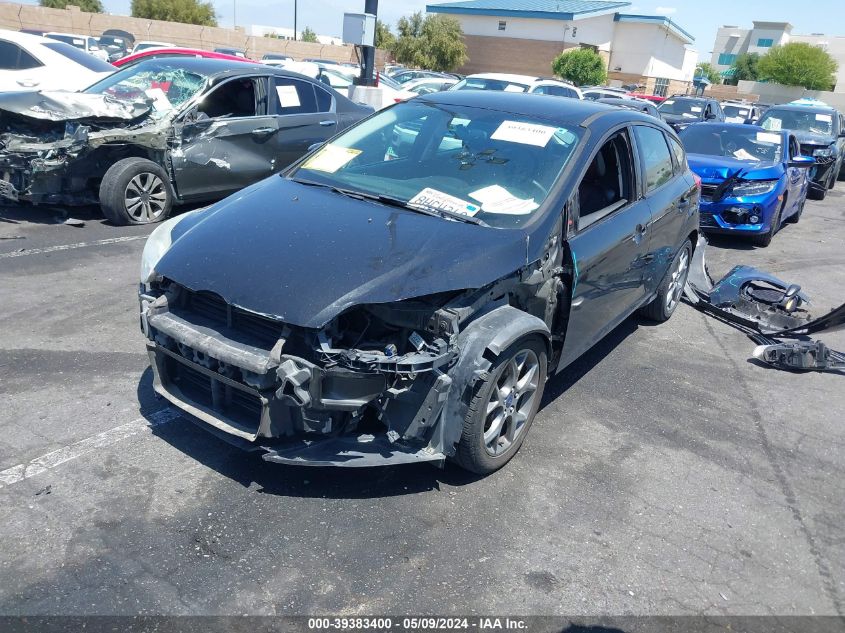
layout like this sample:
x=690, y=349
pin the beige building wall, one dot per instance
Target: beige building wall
x=21, y=16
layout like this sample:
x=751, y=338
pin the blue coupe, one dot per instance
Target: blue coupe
x=752, y=180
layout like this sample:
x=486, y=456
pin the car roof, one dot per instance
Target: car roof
x=67, y=34
x=803, y=108
x=21, y=38
x=561, y=111
x=526, y=79
x=738, y=126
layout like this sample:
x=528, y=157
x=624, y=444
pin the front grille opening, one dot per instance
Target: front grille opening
x=210, y=310
x=241, y=409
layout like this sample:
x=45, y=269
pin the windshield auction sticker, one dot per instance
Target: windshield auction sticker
x=497, y=199
x=524, y=133
x=432, y=199
x=330, y=158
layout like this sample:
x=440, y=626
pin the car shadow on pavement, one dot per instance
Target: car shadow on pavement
x=249, y=470
x=49, y=214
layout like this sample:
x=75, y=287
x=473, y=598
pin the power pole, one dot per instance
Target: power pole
x=294, y=20
x=368, y=53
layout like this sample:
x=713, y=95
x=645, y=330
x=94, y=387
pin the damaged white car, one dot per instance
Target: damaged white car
x=163, y=132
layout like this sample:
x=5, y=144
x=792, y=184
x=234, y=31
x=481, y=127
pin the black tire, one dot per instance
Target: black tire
x=833, y=178
x=796, y=217
x=136, y=175
x=661, y=308
x=815, y=194
x=474, y=452
x=764, y=239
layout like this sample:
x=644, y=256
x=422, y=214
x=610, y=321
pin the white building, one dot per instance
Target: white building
x=732, y=41
x=259, y=30
x=524, y=36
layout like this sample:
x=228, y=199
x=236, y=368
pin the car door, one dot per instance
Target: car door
x=607, y=236
x=306, y=115
x=19, y=70
x=669, y=191
x=225, y=141
x=796, y=177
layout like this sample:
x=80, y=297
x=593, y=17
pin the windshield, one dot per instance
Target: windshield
x=804, y=121
x=80, y=57
x=745, y=143
x=740, y=113
x=475, y=163
x=477, y=83
x=165, y=83
x=687, y=108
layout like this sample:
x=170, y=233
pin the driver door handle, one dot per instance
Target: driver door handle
x=328, y=123
x=262, y=131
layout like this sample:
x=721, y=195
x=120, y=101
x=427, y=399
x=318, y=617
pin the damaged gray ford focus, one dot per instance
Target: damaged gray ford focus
x=402, y=293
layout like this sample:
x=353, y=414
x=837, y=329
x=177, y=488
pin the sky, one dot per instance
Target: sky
x=701, y=18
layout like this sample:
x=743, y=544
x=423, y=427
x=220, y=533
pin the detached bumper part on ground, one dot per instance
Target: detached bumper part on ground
x=769, y=310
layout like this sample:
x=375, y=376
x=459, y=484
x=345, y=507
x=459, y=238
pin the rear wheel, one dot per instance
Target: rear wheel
x=503, y=407
x=136, y=191
x=671, y=288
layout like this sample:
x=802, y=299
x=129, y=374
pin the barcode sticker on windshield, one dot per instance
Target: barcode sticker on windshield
x=525, y=133
x=696, y=109
x=824, y=117
x=330, y=158
x=430, y=198
x=496, y=199
x=669, y=101
x=773, y=124
x=767, y=137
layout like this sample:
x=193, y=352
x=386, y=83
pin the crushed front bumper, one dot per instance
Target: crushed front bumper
x=293, y=409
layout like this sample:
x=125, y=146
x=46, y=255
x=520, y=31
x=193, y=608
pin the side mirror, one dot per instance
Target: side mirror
x=311, y=148
x=802, y=161
x=710, y=117
x=750, y=122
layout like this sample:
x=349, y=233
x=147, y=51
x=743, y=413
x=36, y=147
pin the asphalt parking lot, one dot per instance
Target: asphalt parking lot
x=665, y=474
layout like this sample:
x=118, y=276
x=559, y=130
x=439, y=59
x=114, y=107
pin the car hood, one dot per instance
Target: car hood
x=808, y=138
x=304, y=254
x=720, y=167
x=70, y=106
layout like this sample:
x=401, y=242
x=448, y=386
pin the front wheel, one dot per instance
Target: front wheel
x=671, y=288
x=503, y=407
x=764, y=239
x=136, y=191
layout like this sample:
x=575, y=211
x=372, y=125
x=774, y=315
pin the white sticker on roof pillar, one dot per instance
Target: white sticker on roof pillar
x=767, y=137
x=524, y=133
x=824, y=117
x=430, y=198
x=288, y=96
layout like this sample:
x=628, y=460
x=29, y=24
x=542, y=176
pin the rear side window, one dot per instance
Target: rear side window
x=655, y=155
x=324, y=100
x=680, y=155
x=13, y=57
x=80, y=57
x=293, y=96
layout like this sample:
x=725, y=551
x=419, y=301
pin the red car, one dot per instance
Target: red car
x=653, y=98
x=158, y=53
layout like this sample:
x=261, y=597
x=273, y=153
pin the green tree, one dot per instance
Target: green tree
x=435, y=42
x=581, y=66
x=308, y=35
x=746, y=66
x=89, y=6
x=708, y=72
x=184, y=11
x=384, y=38
x=799, y=64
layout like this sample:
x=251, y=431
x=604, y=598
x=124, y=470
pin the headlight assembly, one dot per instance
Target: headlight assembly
x=157, y=245
x=753, y=188
x=824, y=151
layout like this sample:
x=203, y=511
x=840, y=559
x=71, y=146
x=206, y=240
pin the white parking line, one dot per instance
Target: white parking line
x=49, y=461
x=67, y=247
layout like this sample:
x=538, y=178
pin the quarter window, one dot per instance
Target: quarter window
x=655, y=154
x=324, y=100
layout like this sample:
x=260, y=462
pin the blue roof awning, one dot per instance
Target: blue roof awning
x=543, y=9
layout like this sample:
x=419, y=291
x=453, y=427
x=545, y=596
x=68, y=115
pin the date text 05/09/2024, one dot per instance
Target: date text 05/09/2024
x=424, y=623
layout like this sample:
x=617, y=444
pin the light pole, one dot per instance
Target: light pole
x=294, y=20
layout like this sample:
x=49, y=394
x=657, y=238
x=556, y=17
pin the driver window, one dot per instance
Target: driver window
x=607, y=184
x=233, y=99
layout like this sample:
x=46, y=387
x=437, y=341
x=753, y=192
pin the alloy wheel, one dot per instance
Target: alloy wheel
x=511, y=402
x=677, y=280
x=145, y=197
